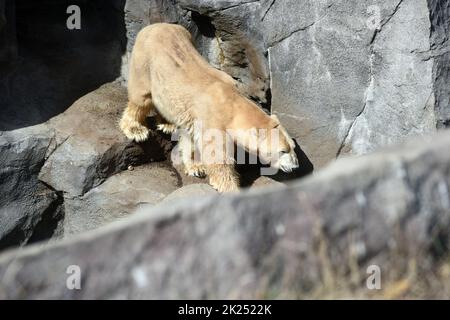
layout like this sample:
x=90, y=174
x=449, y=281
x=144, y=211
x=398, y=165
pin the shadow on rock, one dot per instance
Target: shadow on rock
x=47, y=71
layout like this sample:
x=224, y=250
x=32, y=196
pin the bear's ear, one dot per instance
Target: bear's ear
x=274, y=117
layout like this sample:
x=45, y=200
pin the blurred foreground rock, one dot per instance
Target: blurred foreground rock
x=390, y=209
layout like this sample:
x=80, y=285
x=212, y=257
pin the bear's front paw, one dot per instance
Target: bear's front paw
x=136, y=132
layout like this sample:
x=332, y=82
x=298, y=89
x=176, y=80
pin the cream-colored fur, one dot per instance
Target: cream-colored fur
x=167, y=73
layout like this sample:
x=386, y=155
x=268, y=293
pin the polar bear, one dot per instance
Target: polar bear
x=168, y=75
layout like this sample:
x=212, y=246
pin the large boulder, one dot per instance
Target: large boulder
x=389, y=211
x=345, y=82
x=90, y=146
x=47, y=169
x=26, y=205
x=119, y=196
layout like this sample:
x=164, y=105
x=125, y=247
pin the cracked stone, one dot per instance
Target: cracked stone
x=90, y=146
x=25, y=201
x=342, y=78
x=118, y=197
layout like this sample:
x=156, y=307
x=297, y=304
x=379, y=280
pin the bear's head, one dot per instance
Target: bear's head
x=276, y=147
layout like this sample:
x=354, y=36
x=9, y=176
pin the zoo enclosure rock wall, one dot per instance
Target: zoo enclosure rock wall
x=53, y=176
x=225, y=32
x=342, y=80
x=44, y=68
x=343, y=76
x=339, y=85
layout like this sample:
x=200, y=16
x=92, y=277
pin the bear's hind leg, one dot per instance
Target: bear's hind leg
x=220, y=167
x=133, y=120
x=223, y=177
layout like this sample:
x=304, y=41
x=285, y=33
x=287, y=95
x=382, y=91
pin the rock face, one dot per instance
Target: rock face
x=48, y=169
x=343, y=76
x=440, y=52
x=350, y=85
x=118, y=197
x=43, y=73
x=26, y=204
x=90, y=146
x=225, y=32
x=389, y=209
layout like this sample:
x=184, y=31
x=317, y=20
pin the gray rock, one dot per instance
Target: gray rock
x=225, y=32
x=343, y=86
x=118, y=197
x=282, y=242
x=236, y=45
x=308, y=66
x=189, y=191
x=59, y=161
x=91, y=147
x=26, y=205
x=440, y=52
x=399, y=100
